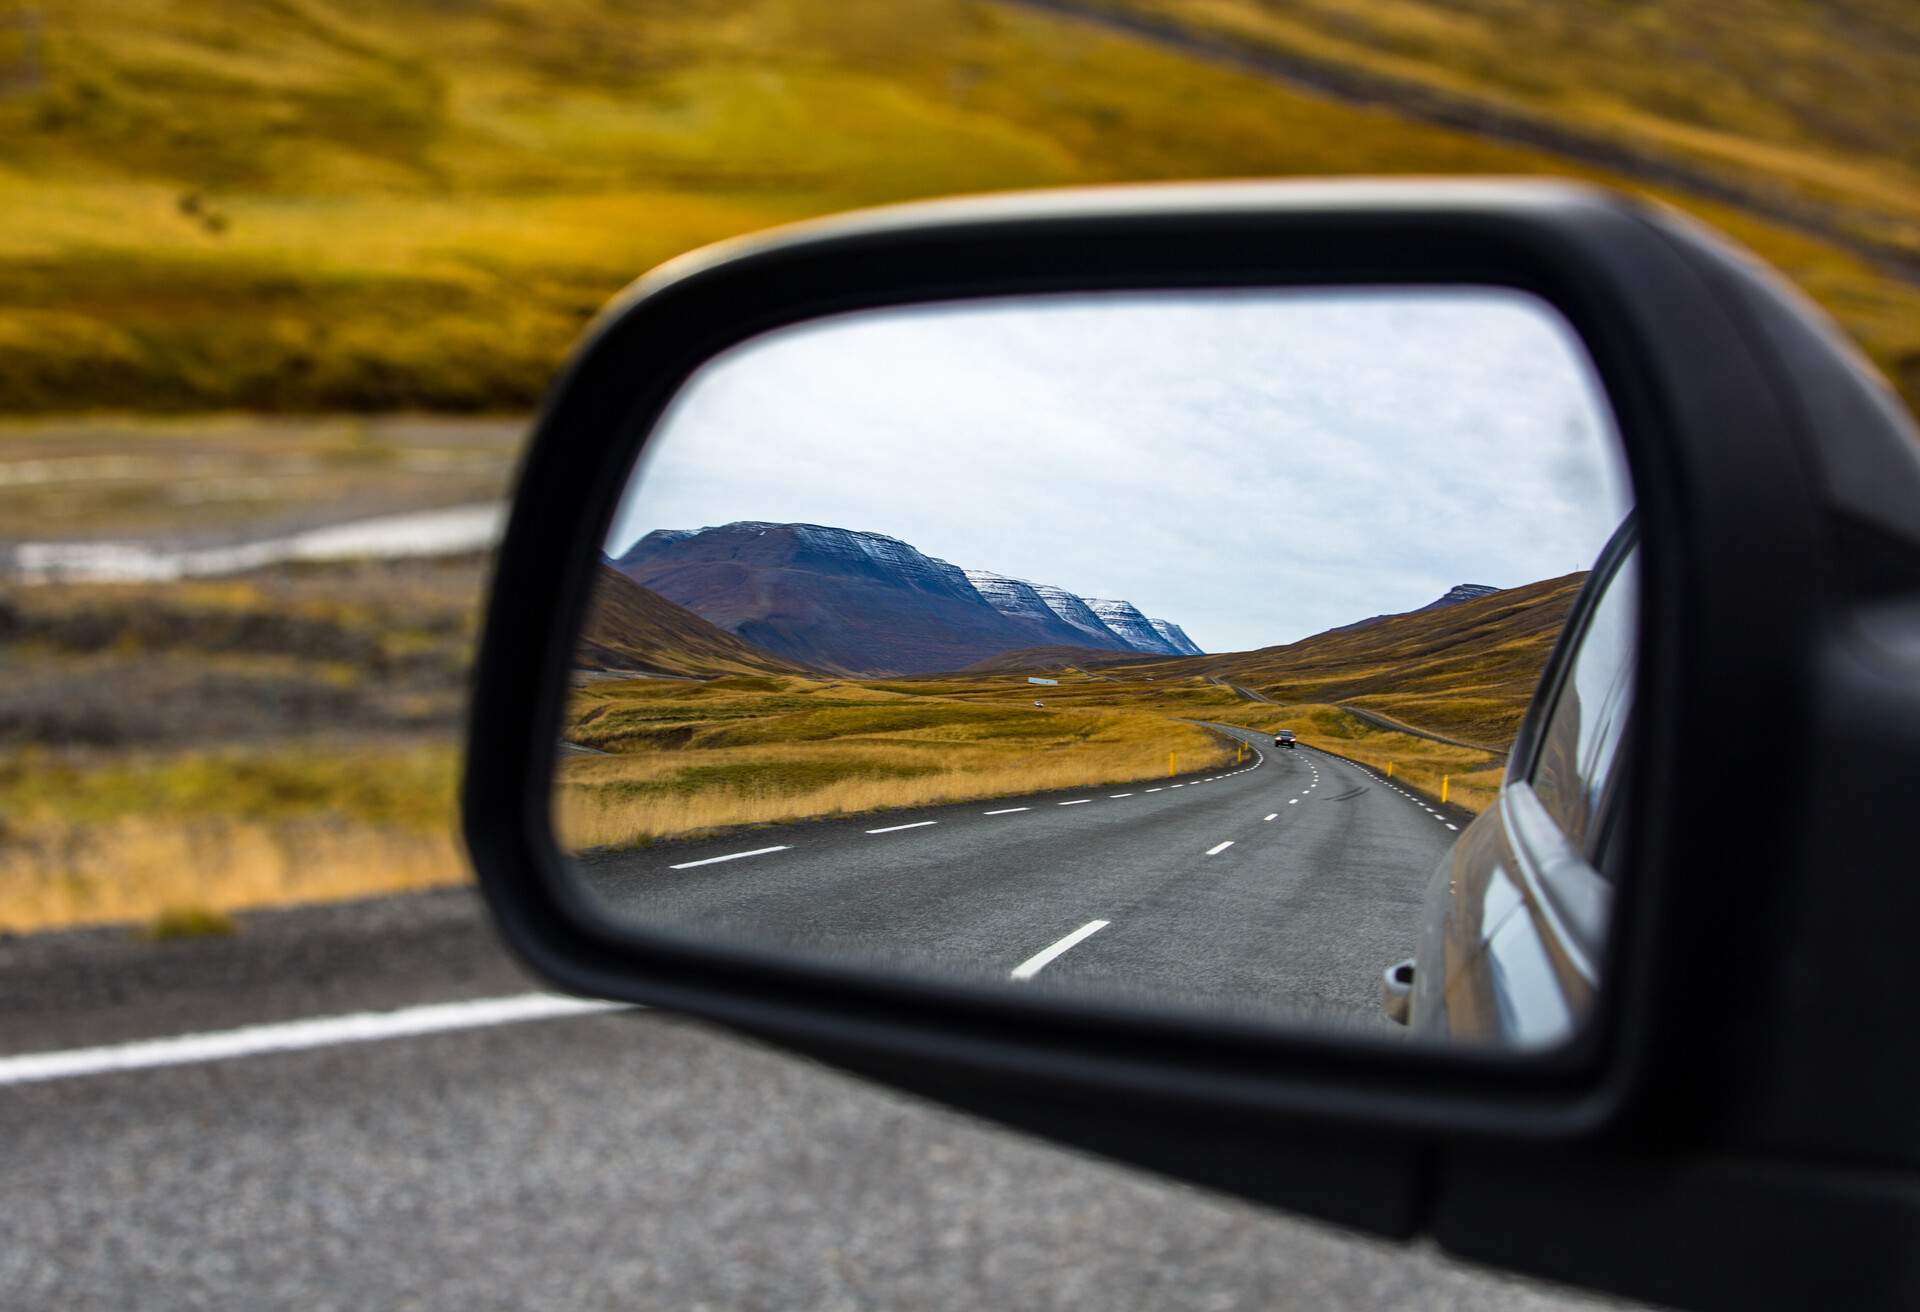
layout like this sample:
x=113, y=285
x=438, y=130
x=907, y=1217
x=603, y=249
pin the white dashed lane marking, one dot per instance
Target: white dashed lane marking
x=1034, y=964
x=1007, y=810
x=731, y=856
x=1218, y=848
x=295, y=1036
x=894, y=829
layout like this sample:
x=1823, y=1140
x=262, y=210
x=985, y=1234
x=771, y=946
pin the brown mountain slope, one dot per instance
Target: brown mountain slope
x=630, y=628
x=1037, y=659
x=1465, y=671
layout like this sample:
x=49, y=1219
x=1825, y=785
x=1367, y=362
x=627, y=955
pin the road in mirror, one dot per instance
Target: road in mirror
x=1147, y=648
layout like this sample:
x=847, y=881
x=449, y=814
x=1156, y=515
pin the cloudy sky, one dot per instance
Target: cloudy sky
x=1255, y=466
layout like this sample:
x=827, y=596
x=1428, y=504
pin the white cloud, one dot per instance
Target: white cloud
x=1255, y=466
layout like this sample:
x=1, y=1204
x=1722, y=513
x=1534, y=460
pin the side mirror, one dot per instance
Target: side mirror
x=742, y=747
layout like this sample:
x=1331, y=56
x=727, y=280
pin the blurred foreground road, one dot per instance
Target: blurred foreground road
x=617, y=1160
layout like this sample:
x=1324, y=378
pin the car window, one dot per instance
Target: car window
x=1575, y=774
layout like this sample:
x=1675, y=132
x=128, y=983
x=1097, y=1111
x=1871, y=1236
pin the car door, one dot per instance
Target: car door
x=1515, y=919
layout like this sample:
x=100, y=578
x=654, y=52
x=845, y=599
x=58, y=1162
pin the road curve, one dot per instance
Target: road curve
x=1276, y=888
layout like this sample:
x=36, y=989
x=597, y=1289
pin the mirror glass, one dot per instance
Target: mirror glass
x=1155, y=649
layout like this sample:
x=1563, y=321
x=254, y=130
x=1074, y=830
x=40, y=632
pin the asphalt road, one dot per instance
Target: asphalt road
x=1278, y=887
x=630, y=1160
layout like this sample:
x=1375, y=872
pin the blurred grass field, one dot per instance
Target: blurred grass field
x=208, y=745
x=333, y=204
x=340, y=224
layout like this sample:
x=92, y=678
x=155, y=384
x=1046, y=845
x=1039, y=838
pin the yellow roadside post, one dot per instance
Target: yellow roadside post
x=1445, y=779
x=1389, y=769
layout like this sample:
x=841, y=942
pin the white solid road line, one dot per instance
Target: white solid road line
x=731, y=856
x=1008, y=810
x=1218, y=848
x=1078, y=801
x=894, y=829
x=1034, y=964
x=293, y=1036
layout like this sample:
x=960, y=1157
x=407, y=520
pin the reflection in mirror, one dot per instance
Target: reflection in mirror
x=1145, y=648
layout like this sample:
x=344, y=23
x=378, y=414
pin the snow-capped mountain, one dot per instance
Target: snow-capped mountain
x=1051, y=607
x=1135, y=629
x=871, y=604
x=1460, y=592
x=1075, y=611
x=1177, y=636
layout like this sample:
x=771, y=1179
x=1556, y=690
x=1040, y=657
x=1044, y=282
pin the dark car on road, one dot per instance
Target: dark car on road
x=1284, y=738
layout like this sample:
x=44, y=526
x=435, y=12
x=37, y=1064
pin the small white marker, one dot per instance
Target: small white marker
x=1007, y=810
x=1219, y=848
x=894, y=829
x=1078, y=801
x=731, y=856
x=1034, y=964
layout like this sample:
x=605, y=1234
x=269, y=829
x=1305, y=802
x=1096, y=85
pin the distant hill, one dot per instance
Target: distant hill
x=1458, y=593
x=631, y=628
x=342, y=205
x=1466, y=668
x=868, y=604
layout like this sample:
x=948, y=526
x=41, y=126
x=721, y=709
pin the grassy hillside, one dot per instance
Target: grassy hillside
x=630, y=628
x=1805, y=110
x=321, y=204
x=1465, y=671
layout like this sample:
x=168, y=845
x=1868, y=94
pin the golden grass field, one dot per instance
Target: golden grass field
x=286, y=735
x=692, y=759
x=672, y=759
x=153, y=866
x=341, y=205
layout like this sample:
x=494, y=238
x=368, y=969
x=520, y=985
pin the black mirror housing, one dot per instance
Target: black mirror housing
x=1778, y=491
